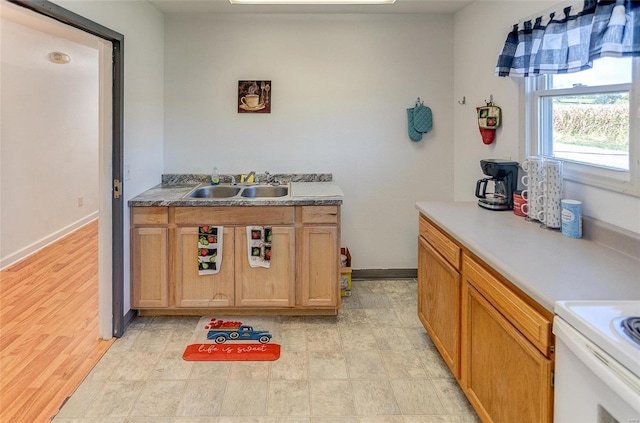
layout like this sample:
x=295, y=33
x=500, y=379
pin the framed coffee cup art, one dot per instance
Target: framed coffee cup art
x=254, y=96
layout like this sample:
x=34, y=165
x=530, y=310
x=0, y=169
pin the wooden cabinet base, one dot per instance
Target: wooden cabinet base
x=240, y=311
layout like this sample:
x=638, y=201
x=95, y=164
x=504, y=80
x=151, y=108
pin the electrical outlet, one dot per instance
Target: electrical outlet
x=80, y=201
x=127, y=172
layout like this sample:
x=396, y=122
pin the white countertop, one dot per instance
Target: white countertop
x=544, y=264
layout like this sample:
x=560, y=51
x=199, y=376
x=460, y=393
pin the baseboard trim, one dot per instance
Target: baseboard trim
x=384, y=274
x=33, y=248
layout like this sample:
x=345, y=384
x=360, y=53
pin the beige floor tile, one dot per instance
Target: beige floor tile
x=159, y=398
x=207, y=370
x=390, y=338
x=250, y=370
x=115, y=400
x=327, y=365
x=201, y=398
x=365, y=365
x=451, y=396
x=76, y=405
x=323, y=339
x=245, y=398
x=357, y=338
x=434, y=364
x=403, y=364
x=293, y=340
x=372, y=363
x=290, y=365
x=331, y=398
x=171, y=366
x=416, y=396
x=288, y=398
x=374, y=397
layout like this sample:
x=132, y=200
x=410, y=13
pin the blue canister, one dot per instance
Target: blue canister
x=571, y=218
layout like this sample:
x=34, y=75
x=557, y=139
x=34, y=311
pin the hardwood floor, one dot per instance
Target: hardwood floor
x=49, y=327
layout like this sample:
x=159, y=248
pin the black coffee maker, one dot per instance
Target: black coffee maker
x=504, y=178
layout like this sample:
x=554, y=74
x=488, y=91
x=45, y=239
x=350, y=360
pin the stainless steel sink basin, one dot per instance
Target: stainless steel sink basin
x=215, y=191
x=265, y=191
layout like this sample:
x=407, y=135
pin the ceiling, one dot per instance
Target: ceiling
x=223, y=6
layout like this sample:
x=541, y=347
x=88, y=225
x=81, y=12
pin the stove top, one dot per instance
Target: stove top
x=630, y=327
x=602, y=323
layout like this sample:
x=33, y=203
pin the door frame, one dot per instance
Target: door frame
x=67, y=17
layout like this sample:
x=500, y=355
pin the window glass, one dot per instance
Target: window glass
x=605, y=71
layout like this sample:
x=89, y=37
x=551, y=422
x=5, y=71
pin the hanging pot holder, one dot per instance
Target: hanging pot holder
x=422, y=118
x=413, y=134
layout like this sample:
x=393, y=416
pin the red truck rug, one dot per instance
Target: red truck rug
x=231, y=341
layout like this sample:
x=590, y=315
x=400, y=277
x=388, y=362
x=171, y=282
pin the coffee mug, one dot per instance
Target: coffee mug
x=250, y=100
x=524, y=208
x=518, y=202
x=525, y=180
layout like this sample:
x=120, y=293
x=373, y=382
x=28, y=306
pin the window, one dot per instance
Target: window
x=585, y=119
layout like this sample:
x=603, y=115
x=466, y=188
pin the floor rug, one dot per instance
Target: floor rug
x=230, y=340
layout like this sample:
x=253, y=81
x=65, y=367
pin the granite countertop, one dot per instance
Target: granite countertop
x=543, y=263
x=300, y=194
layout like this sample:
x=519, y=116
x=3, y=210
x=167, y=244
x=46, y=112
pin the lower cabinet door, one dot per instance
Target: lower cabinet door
x=319, y=266
x=270, y=287
x=439, y=303
x=203, y=291
x=149, y=270
x=504, y=376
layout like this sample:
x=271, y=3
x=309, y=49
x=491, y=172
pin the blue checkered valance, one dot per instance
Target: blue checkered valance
x=570, y=39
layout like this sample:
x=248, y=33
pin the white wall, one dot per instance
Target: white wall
x=49, y=139
x=143, y=28
x=480, y=31
x=341, y=86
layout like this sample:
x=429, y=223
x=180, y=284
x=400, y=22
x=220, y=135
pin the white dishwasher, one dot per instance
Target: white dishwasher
x=597, y=371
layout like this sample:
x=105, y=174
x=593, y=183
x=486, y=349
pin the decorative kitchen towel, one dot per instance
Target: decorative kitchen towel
x=259, y=246
x=413, y=133
x=422, y=118
x=209, y=249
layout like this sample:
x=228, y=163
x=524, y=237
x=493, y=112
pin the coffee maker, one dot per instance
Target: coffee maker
x=504, y=178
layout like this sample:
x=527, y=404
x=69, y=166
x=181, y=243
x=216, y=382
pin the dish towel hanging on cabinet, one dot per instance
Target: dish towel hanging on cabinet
x=209, y=249
x=259, y=246
x=420, y=120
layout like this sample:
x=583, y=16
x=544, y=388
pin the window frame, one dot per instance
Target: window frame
x=538, y=130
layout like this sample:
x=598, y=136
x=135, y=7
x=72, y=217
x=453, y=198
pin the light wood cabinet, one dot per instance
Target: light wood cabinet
x=202, y=291
x=506, y=378
x=266, y=287
x=303, y=274
x=319, y=266
x=495, y=339
x=439, y=303
x=149, y=270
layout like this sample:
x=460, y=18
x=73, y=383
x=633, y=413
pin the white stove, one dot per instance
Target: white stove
x=597, y=375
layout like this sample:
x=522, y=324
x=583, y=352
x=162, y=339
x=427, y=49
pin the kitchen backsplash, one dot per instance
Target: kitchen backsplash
x=188, y=178
x=614, y=237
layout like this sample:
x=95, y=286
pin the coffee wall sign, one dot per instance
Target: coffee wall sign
x=254, y=96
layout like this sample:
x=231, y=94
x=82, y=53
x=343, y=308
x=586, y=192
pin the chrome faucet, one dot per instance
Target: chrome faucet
x=233, y=179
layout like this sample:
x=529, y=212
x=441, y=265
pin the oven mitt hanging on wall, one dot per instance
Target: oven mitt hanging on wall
x=422, y=118
x=413, y=133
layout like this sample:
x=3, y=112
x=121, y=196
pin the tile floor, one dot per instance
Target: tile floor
x=372, y=363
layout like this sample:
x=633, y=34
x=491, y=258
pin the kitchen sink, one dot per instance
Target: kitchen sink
x=265, y=191
x=215, y=191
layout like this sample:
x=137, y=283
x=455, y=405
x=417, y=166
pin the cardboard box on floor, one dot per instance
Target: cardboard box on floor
x=345, y=274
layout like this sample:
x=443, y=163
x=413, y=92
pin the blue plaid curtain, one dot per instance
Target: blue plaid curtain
x=569, y=40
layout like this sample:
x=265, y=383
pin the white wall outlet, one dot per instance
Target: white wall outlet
x=127, y=172
x=80, y=201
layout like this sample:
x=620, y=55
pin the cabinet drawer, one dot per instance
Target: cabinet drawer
x=150, y=215
x=234, y=215
x=533, y=325
x=440, y=242
x=319, y=214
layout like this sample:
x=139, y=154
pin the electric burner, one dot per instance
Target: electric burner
x=630, y=326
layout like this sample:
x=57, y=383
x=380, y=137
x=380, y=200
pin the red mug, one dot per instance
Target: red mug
x=518, y=202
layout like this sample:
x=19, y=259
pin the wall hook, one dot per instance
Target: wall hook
x=490, y=103
x=463, y=101
x=419, y=103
